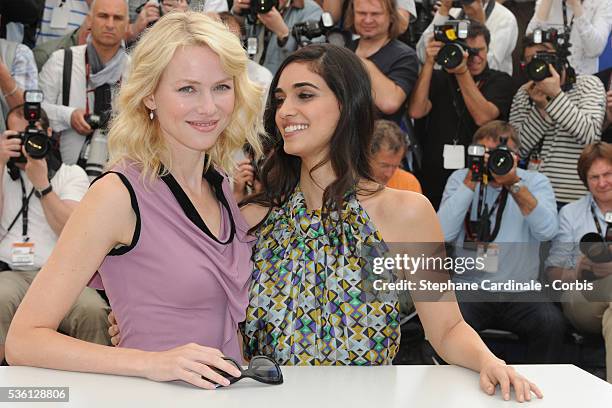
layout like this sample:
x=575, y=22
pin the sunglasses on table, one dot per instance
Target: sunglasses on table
x=261, y=368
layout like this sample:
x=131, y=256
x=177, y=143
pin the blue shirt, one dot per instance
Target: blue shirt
x=275, y=54
x=24, y=70
x=519, y=236
x=575, y=220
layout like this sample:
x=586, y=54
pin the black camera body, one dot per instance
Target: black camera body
x=94, y=121
x=306, y=31
x=538, y=68
x=262, y=6
x=595, y=247
x=36, y=142
x=453, y=34
x=500, y=163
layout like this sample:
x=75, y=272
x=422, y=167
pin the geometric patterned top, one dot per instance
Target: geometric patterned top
x=307, y=303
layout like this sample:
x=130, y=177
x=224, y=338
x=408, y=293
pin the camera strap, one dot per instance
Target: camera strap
x=596, y=221
x=66, y=76
x=25, y=201
x=53, y=165
x=459, y=105
x=480, y=231
x=565, y=25
x=570, y=72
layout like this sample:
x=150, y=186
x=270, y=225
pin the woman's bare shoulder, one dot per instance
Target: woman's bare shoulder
x=254, y=213
x=403, y=216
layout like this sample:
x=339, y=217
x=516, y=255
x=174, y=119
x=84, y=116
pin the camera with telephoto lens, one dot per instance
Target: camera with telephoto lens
x=500, y=160
x=538, y=68
x=595, y=247
x=306, y=31
x=36, y=142
x=453, y=34
x=258, y=7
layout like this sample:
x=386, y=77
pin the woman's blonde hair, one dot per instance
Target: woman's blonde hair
x=135, y=137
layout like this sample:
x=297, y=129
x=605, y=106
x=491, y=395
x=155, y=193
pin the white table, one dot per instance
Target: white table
x=320, y=387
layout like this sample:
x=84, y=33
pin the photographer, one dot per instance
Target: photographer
x=504, y=217
x=271, y=31
x=556, y=115
x=393, y=66
x=455, y=103
x=406, y=10
x=565, y=262
x=589, y=23
x=498, y=19
x=77, y=82
x=36, y=198
x=145, y=13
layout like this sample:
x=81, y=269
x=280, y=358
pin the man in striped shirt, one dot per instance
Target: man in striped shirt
x=556, y=119
x=61, y=17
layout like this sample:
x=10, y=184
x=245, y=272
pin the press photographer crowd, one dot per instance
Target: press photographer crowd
x=337, y=124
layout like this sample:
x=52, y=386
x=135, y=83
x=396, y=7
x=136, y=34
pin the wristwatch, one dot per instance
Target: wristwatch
x=516, y=187
x=44, y=192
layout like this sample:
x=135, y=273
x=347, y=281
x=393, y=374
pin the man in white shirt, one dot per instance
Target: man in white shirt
x=498, y=19
x=100, y=63
x=52, y=198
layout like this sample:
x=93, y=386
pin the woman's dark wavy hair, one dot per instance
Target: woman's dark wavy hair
x=348, y=79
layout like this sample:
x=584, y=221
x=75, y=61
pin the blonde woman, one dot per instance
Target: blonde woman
x=161, y=228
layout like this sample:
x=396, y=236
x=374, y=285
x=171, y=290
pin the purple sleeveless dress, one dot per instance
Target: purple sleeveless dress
x=176, y=283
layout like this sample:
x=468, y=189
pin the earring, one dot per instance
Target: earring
x=151, y=114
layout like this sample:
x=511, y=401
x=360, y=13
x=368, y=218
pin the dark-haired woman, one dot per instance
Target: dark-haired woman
x=319, y=209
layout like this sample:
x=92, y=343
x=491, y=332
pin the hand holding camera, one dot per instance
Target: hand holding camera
x=253, y=9
x=499, y=163
x=35, y=141
x=455, y=51
x=273, y=20
x=551, y=85
x=595, y=246
x=431, y=50
x=148, y=14
x=37, y=171
x=588, y=269
x=462, y=68
x=10, y=146
x=241, y=7
x=78, y=122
